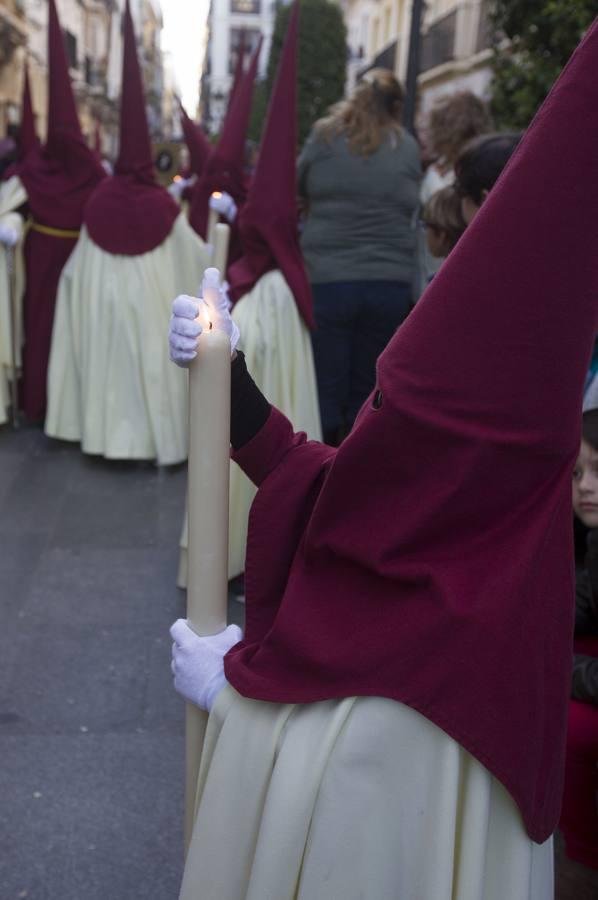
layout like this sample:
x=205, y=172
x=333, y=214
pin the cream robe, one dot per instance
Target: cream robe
x=278, y=352
x=356, y=799
x=12, y=196
x=111, y=384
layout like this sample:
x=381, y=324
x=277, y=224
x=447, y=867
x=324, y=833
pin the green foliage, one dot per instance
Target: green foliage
x=542, y=35
x=322, y=64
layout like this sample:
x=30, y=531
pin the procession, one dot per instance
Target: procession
x=299, y=450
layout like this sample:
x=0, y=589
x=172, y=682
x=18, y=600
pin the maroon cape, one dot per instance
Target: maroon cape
x=429, y=558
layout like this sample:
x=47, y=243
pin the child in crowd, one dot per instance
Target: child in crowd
x=579, y=820
x=443, y=221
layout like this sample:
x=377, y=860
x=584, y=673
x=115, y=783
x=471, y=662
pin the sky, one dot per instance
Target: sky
x=183, y=39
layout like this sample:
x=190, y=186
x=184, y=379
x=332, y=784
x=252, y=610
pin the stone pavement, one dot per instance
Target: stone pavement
x=91, y=731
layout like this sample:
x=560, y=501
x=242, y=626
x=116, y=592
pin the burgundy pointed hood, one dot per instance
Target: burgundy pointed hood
x=429, y=559
x=225, y=169
x=28, y=139
x=268, y=220
x=62, y=112
x=131, y=213
x=197, y=143
x=239, y=67
x=60, y=177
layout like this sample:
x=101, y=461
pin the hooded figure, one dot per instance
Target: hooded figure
x=59, y=179
x=109, y=383
x=412, y=742
x=225, y=168
x=199, y=149
x=12, y=198
x=269, y=283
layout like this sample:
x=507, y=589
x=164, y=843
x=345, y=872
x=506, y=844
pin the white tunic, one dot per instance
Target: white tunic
x=12, y=196
x=111, y=384
x=356, y=799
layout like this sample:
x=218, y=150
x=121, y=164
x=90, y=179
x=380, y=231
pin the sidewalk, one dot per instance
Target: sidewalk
x=91, y=731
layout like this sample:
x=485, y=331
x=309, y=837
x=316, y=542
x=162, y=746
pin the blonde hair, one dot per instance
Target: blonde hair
x=371, y=113
x=443, y=213
x=455, y=120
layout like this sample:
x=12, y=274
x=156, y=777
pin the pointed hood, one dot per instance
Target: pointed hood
x=60, y=177
x=439, y=533
x=62, y=112
x=28, y=139
x=268, y=221
x=225, y=170
x=197, y=143
x=239, y=67
x=135, y=152
x=131, y=213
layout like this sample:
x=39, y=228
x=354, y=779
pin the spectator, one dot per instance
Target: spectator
x=443, y=222
x=359, y=175
x=579, y=819
x=453, y=121
x=478, y=166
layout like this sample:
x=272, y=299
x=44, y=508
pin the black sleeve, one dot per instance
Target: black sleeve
x=249, y=409
x=584, y=618
x=585, y=679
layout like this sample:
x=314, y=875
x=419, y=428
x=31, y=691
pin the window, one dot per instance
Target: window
x=245, y=6
x=71, y=49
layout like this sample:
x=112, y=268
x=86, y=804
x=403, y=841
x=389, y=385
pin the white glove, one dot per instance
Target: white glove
x=9, y=236
x=198, y=662
x=224, y=204
x=176, y=188
x=184, y=329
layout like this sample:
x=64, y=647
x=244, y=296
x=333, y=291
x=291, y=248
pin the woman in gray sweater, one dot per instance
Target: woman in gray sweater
x=359, y=176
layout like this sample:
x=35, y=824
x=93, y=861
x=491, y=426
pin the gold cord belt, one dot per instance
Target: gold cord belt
x=54, y=232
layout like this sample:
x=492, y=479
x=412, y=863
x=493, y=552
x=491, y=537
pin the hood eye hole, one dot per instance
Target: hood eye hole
x=377, y=401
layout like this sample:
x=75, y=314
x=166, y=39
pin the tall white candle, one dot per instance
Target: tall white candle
x=220, y=248
x=209, y=458
x=213, y=219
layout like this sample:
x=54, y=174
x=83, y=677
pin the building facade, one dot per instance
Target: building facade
x=455, y=48
x=93, y=40
x=226, y=20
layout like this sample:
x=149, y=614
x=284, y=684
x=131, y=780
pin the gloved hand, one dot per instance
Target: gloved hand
x=197, y=662
x=224, y=204
x=8, y=235
x=176, y=188
x=185, y=328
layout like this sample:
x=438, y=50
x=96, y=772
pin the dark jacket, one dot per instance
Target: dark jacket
x=585, y=668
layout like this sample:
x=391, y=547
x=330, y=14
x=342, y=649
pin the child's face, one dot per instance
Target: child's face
x=585, y=485
x=437, y=239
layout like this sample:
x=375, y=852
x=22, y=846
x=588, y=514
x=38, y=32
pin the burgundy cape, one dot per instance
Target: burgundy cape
x=429, y=558
x=268, y=220
x=59, y=178
x=130, y=213
x=225, y=168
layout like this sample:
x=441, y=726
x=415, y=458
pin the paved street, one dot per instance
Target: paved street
x=91, y=732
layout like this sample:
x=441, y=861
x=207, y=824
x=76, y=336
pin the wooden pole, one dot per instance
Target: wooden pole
x=208, y=481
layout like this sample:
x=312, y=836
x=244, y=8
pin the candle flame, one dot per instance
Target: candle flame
x=217, y=194
x=203, y=316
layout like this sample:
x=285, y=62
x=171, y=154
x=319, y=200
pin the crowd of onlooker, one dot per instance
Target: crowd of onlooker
x=383, y=212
